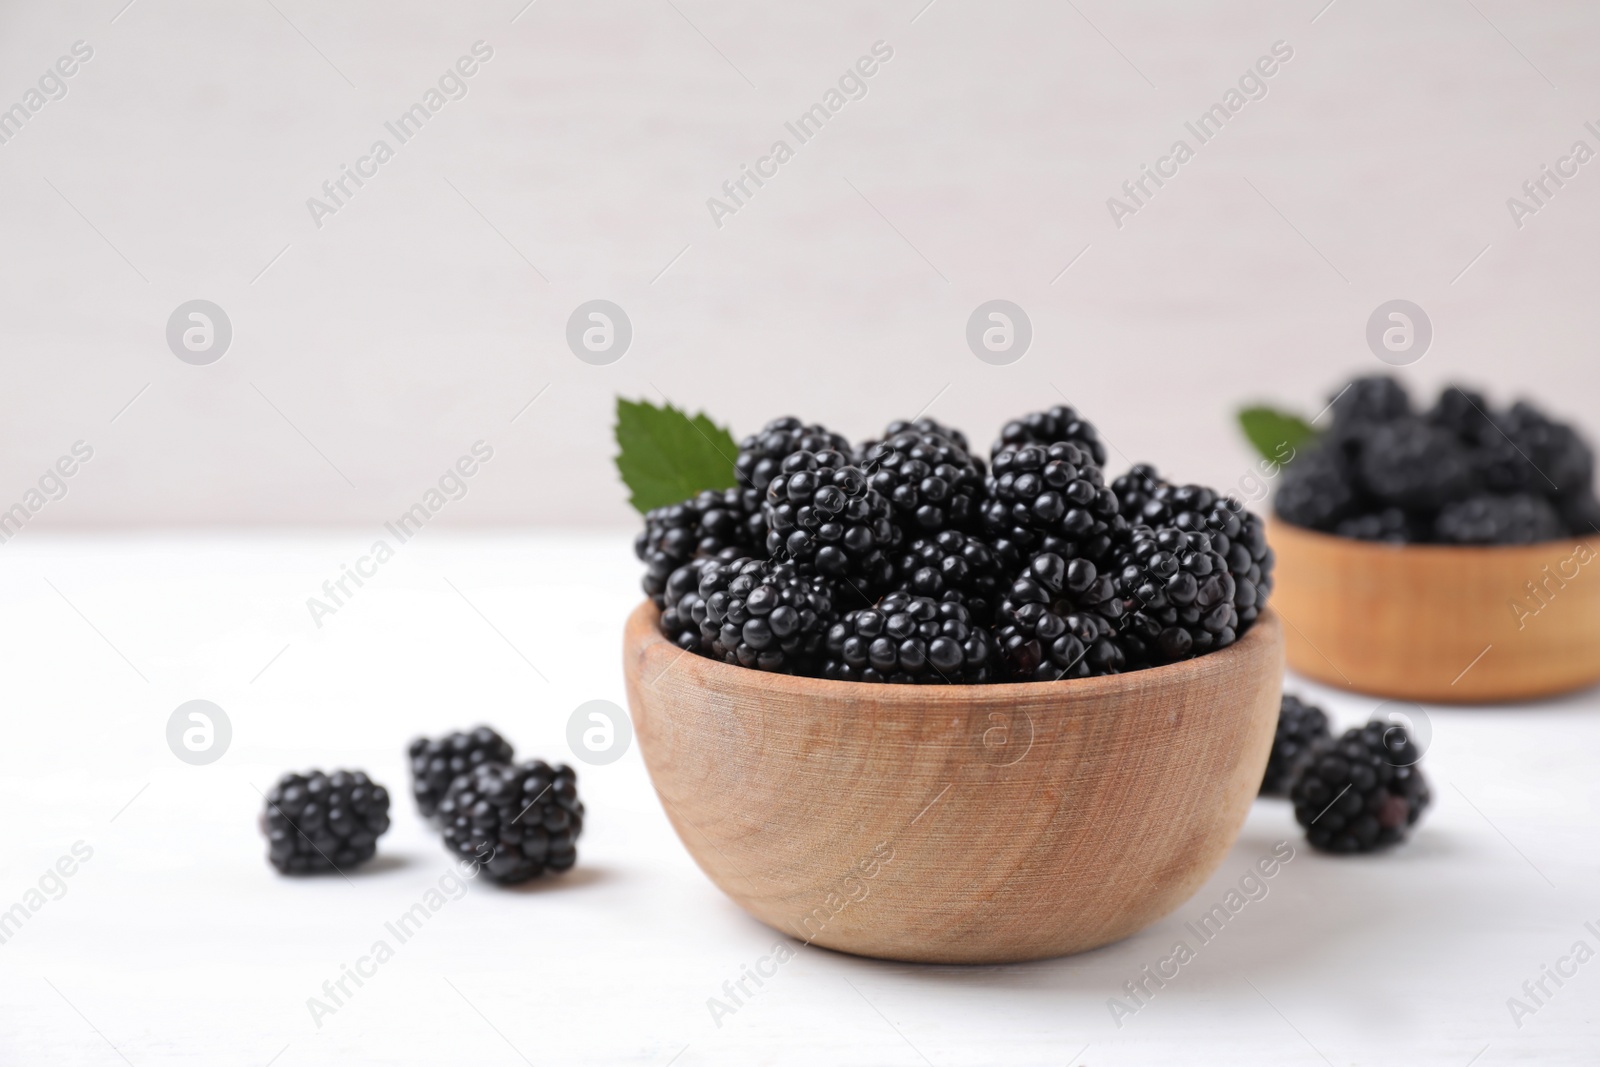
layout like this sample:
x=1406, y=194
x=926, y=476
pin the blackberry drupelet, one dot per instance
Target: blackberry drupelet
x=953, y=562
x=320, y=822
x=1178, y=596
x=764, y=614
x=931, y=482
x=1361, y=792
x=1486, y=519
x=1390, y=525
x=761, y=455
x=517, y=820
x=1051, y=499
x=823, y=516
x=710, y=523
x=1316, y=490
x=1301, y=728
x=1060, y=620
x=911, y=640
x=436, y=762
x=1415, y=465
x=1060, y=423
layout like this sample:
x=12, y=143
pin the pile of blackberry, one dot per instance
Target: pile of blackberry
x=1359, y=792
x=1459, y=473
x=910, y=559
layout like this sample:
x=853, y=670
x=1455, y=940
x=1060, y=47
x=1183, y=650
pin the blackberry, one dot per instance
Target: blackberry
x=1315, y=489
x=1464, y=412
x=823, y=516
x=1415, y=465
x=929, y=480
x=927, y=425
x=953, y=562
x=1059, y=620
x=1362, y=791
x=1301, y=727
x=761, y=455
x=435, y=763
x=1533, y=453
x=908, y=640
x=705, y=525
x=319, y=822
x=1376, y=398
x=686, y=608
x=1060, y=423
x=765, y=615
x=1178, y=596
x=517, y=820
x=1581, y=514
x=1051, y=499
x=1236, y=533
x=1391, y=525
x=1519, y=519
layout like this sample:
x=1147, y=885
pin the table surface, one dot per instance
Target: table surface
x=174, y=942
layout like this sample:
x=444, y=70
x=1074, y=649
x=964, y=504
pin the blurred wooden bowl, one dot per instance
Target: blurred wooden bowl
x=956, y=824
x=1439, y=623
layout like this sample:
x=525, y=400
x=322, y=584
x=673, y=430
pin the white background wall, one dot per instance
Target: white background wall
x=429, y=310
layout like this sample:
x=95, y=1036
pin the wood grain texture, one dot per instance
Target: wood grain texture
x=956, y=824
x=1436, y=622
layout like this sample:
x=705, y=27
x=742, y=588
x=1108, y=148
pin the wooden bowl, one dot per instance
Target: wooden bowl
x=956, y=824
x=1437, y=622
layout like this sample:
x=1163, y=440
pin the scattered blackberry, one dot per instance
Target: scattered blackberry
x=910, y=639
x=1376, y=398
x=931, y=482
x=953, y=562
x=323, y=822
x=1301, y=727
x=435, y=763
x=1178, y=596
x=705, y=525
x=761, y=455
x=764, y=614
x=1414, y=464
x=1051, y=499
x=1315, y=489
x=1060, y=423
x=823, y=516
x=1060, y=620
x=1362, y=791
x=517, y=820
x=1391, y=525
x=1519, y=519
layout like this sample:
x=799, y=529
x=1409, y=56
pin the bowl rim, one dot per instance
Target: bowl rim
x=1267, y=628
x=1355, y=544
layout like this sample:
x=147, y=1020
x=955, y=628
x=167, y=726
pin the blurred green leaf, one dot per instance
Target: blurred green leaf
x=664, y=456
x=1275, y=433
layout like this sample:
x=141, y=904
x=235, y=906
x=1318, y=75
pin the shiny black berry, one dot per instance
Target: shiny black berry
x=1060, y=619
x=318, y=822
x=911, y=640
x=954, y=562
x=1415, y=465
x=516, y=821
x=1301, y=727
x=1178, y=596
x=824, y=517
x=761, y=455
x=765, y=614
x=1486, y=519
x=1051, y=499
x=1316, y=489
x=709, y=523
x=1361, y=792
x=1060, y=423
x=931, y=483
x=436, y=762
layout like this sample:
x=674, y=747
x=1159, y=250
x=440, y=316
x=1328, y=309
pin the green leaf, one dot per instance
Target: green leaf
x=665, y=456
x=1274, y=432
